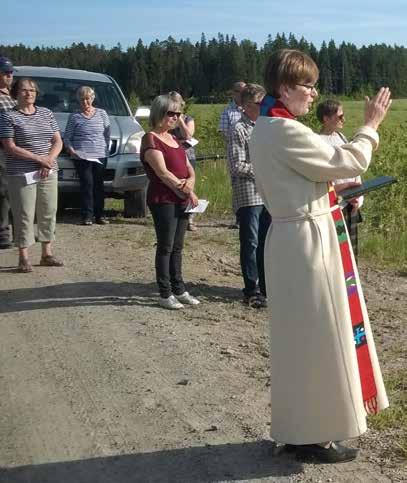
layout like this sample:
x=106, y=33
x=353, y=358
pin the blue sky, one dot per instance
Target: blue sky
x=107, y=22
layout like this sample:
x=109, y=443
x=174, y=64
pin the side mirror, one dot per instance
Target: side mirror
x=142, y=112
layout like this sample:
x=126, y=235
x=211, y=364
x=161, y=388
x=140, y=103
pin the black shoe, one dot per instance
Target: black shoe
x=335, y=453
x=101, y=221
x=5, y=245
x=256, y=301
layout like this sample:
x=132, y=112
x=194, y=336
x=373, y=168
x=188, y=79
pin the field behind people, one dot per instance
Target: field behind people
x=384, y=230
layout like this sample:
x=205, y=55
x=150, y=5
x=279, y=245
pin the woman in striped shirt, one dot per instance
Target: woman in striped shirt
x=32, y=143
x=87, y=138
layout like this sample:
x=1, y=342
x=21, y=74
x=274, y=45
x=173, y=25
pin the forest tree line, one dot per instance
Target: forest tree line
x=206, y=69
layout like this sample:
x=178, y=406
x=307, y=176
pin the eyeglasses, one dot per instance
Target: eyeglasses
x=309, y=87
x=28, y=91
x=173, y=113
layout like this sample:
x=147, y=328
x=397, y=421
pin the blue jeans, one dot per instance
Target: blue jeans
x=254, y=222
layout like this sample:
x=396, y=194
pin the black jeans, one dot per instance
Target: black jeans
x=254, y=222
x=170, y=222
x=91, y=186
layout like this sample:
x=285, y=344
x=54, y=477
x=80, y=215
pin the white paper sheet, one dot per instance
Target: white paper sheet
x=200, y=208
x=84, y=156
x=34, y=176
x=191, y=142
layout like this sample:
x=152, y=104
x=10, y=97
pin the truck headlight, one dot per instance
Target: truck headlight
x=133, y=143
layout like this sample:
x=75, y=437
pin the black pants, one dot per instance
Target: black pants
x=91, y=186
x=5, y=237
x=170, y=222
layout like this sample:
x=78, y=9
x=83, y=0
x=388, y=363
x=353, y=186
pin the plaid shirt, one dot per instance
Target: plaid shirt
x=6, y=102
x=231, y=114
x=244, y=191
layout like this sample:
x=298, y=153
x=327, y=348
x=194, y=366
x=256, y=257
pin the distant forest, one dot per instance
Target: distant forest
x=205, y=70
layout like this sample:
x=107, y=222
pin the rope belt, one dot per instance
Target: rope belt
x=304, y=216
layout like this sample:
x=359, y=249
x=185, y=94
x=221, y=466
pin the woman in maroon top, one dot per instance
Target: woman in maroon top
x=171, y=189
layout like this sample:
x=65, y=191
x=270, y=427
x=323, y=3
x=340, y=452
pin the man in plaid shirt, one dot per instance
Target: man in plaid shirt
x=6, y=103
x=254, y=220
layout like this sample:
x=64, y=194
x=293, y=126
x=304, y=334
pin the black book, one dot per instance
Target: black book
x=365, y=187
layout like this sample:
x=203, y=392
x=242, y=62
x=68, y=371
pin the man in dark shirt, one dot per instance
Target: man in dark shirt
x=6, y=103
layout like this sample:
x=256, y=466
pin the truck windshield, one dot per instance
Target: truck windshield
x=59, y=95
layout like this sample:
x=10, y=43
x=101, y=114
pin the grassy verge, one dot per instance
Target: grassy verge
x=395, y=417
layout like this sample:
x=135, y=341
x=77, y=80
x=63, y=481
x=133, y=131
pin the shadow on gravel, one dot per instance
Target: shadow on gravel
x=229, y=462
x=89, y=294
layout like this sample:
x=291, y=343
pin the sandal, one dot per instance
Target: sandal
x=51, y=261
x=24, y=266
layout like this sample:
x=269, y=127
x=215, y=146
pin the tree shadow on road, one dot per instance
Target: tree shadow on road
x=101, y=293
x=226, y=462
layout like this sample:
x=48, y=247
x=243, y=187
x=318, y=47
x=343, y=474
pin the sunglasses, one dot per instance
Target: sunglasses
x=173, y=113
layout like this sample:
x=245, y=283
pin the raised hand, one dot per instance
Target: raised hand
x=377, y=107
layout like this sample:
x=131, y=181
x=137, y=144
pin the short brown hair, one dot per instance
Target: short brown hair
x=251, y=92
x=17, y=85
x=289, y=67
x=327, y=108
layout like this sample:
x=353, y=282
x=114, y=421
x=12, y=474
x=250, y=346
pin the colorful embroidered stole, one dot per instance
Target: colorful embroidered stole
x=274, y=108
x=368, y=384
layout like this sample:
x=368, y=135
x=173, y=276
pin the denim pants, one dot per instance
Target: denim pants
x=91, y=186
x=170, y=222
x=254, y=222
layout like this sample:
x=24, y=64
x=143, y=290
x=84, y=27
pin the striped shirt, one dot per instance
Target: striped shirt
x=244, y=191
x=33, y=132
x=90, y=136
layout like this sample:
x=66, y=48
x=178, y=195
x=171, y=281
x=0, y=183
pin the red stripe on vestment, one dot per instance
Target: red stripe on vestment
x=366, y=374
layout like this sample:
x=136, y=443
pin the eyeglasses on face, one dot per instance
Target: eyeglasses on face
x=310, y=87
x=28, y=91
x=173, y=113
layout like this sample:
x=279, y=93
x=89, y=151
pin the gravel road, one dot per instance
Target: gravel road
x=98, y=384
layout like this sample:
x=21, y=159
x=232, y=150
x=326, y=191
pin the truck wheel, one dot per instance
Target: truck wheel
x=135, y=204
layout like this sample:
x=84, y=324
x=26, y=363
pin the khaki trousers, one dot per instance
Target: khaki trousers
x=29, y=201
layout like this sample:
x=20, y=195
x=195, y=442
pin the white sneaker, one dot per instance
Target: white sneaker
x=187, y=298
x=170, y=303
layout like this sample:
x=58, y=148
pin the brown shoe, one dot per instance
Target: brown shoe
x=51, y=261
x=24, y=266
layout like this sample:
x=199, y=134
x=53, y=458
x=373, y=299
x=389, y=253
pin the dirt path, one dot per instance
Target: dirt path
x=98, y=384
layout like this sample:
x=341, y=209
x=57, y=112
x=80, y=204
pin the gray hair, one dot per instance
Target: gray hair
x=252, y=92
x=160, y=106
x=176, y=97
x=85, y=91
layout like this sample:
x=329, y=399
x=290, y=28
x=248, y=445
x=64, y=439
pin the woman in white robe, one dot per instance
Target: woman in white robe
x=316, y=375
